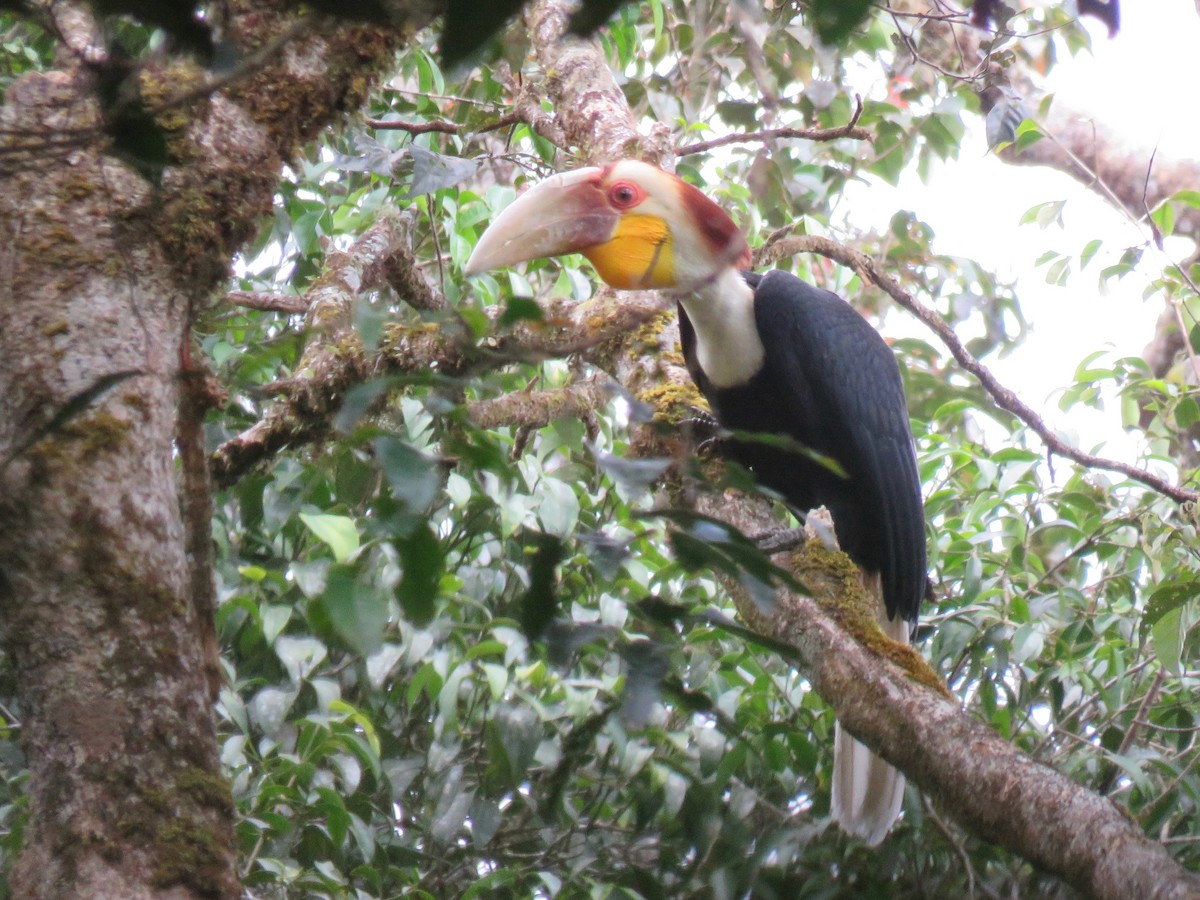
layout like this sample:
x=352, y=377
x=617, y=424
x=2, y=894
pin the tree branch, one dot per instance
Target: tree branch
x=1086, y=150
x=966, y=769
x=335, y=360
x=413, y=128
x=404, y=276
x=1006, y=399
x=849, y=130
x=267, y=302
x=599, y=121
x=536, y=409
x=325, y=371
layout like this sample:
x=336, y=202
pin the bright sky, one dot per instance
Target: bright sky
x=975, y=205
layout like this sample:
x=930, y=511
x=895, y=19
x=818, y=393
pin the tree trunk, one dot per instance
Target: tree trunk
x=126, y=795
x=105, y=590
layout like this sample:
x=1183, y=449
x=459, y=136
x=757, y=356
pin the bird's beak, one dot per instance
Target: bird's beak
x=566, y=213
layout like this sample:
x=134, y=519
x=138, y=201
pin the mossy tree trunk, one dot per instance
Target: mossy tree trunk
x=105, y=591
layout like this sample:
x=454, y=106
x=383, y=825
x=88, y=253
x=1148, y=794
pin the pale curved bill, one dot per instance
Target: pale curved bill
x=565, y=213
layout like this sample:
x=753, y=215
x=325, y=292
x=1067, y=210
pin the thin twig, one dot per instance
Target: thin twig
x=453, y=97
x=440, y=126
x=1109, y=775
x=430, y=203
x=964, y=857
x=1005, y=398
x=850, y=130
x=496, y=124
x=283, y=303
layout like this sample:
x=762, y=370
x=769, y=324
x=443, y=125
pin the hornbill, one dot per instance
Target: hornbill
x=772, y=354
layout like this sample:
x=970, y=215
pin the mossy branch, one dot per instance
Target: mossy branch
x=536, y=409
x=888, y=697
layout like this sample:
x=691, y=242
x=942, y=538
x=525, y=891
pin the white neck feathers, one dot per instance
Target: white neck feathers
x=721, y=311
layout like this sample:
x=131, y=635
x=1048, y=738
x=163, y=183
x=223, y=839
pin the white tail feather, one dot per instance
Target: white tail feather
x=867, y=792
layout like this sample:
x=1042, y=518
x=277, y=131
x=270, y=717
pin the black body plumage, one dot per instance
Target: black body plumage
x=829, y=382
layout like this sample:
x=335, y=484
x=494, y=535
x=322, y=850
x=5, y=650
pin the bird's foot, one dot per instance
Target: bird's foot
x=819, y=524
x=704, y=431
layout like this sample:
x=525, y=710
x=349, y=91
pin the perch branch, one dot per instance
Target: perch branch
x=968, y=770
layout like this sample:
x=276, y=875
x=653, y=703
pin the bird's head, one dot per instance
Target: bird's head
x=638, y=225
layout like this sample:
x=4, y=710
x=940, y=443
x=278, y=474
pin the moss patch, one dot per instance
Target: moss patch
x=208, y=789
x=673, y=403
x=187, y=852
x=853, y=609
x=99, y=433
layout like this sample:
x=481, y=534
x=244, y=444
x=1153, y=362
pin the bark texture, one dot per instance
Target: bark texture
x=105, y=569
x=126, y=796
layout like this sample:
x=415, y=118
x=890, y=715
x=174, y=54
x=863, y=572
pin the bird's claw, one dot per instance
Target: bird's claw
x=704, y=430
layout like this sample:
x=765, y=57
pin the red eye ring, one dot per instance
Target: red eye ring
x=625, y=195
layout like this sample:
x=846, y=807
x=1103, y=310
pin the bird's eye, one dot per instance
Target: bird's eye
x=623, y=195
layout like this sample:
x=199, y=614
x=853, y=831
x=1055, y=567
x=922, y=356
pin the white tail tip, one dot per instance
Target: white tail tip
x=867, y=792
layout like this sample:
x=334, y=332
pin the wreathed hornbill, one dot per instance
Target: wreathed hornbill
x=772, y=354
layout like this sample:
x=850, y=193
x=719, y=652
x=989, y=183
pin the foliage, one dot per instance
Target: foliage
x=23, y=47
x=474, y=662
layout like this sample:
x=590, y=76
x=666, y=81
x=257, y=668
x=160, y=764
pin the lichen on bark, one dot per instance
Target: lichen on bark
x=102, y=587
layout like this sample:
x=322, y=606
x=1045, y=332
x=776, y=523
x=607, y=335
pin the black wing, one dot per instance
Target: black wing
x=845, y=398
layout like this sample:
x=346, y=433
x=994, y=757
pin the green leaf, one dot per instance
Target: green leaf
x=1086, y=372
x=1187, y=412
x=453, y=804
x=520, y=309
x=559, y=507
x=358, y=613
x=1163, y=217
x=1045, y=214
x=1166, y=599
x=274, y=617
x=433, y=171
x=835, y=19
x=1188, y=198
x=489, y=885
x=339, y=532
x=738, y=113
x=413, y=476
x=304, y=231
x=358, y=402
x=646, y=663
x=371, y=156
x=1166, y=636
x=423, y=562
x=1028, y=134
x=514, y=733
x=889, y=161
x=1059, y=271
x=486, y=818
